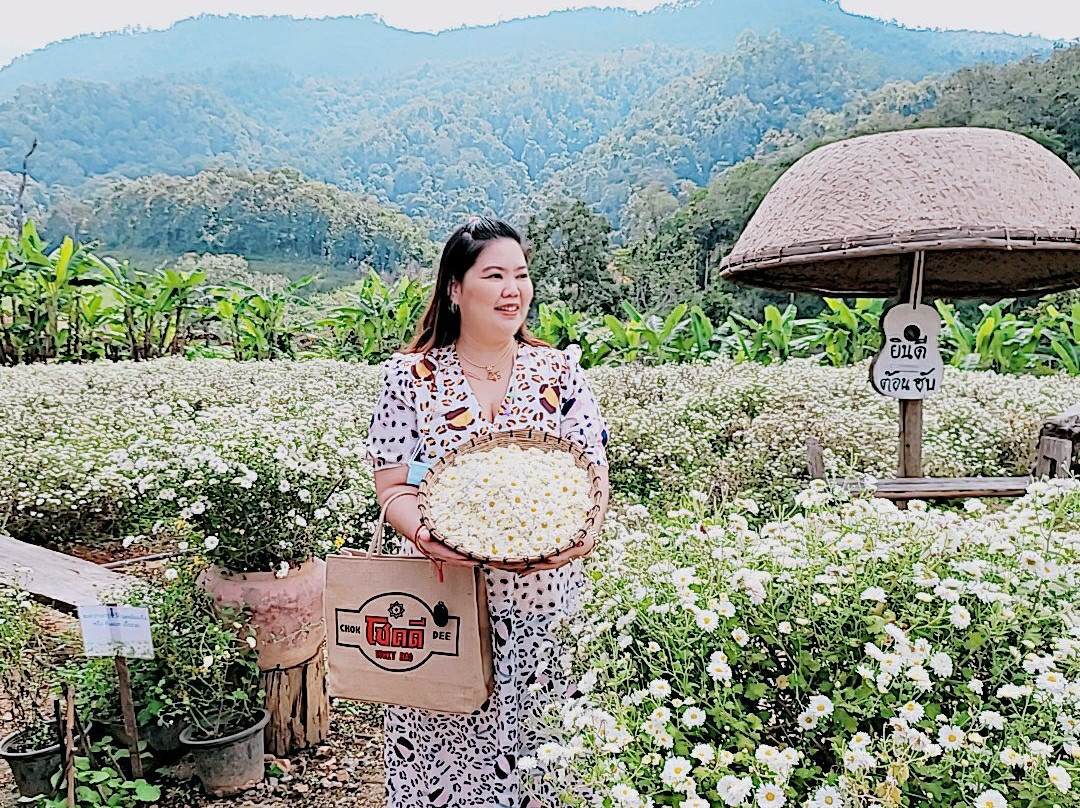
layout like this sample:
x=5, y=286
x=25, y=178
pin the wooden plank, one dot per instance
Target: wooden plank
x=911, y=435
x=60, y=580
x=1053, y=457
x=944, y=487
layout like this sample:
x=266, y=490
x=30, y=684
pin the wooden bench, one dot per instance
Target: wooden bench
x=1053, y=458
x=905, y=488
x=59, y=580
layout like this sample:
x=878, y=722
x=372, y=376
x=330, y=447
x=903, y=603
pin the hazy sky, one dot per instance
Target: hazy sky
x=29, y=25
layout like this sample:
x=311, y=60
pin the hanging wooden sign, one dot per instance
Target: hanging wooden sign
x=909, y=364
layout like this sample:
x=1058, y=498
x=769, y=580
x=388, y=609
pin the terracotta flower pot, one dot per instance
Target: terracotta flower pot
x=287, y=613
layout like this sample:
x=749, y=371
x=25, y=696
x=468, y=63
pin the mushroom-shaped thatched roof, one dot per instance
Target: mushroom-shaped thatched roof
x=997, y=214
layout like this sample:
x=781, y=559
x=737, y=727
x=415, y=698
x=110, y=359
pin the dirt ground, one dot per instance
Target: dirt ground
x=345, y=772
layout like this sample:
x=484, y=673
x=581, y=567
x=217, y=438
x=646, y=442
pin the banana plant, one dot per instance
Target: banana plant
x=375, y=320
x=772, y=340
x=1061, y=332
x=846, y=334
x=257, y=322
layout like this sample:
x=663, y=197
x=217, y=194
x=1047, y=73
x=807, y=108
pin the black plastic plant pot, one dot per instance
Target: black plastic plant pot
x=232, y=763
x=33, y=769
x=163, y=740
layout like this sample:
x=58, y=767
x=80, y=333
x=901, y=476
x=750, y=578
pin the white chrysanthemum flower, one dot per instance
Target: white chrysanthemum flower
x=718, y=668
x=826, y=797
x=707, y=620
x=992, y=719
x=1040, y=749
x=941, y=664
x=991, y=799
x=1059, y=778
x=860, y=740
x=770, y=795
x=660, y=689
x=1010, y=757
x=703, y=753
x=693, y=717
x=626, y=796
x=912, y=712
x=950, y=737
x=676, y=770
x=959, y=616
x=734, y=790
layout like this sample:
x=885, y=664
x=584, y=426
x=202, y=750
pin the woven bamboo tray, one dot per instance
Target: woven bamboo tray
x=525, y=439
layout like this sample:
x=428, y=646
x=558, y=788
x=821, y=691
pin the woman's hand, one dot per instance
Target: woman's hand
x=437, y=551
x=560, y=558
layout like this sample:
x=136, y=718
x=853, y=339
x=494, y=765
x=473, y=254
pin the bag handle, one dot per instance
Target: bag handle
x=377, y=540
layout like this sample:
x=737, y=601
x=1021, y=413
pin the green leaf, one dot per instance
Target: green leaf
x=145, y=792
x=976, y=640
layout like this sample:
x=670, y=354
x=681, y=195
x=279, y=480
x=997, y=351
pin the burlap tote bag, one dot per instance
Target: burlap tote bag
x=401, y=631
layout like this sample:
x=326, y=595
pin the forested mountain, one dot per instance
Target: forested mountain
x=504, y=118
x=364, y=48
x=675, y=245
x=263, y=213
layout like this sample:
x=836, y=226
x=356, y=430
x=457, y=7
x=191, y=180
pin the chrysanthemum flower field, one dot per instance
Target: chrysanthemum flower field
x=842, y=653
x=757, y=641
x=105, y=450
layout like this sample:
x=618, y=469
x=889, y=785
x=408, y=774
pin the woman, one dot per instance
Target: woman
x=474, y=369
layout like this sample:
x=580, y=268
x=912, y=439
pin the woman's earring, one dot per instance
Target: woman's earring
x=453, y=308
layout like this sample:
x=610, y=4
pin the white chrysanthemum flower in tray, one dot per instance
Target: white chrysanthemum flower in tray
x=510, y=502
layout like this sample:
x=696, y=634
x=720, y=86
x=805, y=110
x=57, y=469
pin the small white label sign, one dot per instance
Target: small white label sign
x=116, y=631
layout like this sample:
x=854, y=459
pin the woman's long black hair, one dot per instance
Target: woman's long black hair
x=439, y=326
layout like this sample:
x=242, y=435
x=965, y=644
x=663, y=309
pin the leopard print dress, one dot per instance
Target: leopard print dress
x=426, y=408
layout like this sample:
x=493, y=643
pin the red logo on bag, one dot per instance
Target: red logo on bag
x=397, y=631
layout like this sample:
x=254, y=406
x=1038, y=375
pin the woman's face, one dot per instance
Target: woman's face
x=495, y=294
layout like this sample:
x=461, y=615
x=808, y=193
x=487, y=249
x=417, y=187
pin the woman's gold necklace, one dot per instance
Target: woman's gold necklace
x=493, y=373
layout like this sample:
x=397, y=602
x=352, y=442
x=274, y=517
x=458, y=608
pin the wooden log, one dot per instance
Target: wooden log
x=299, y=705
x=127, y=710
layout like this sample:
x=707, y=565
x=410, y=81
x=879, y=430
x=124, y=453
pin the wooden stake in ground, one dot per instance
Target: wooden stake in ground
x=911, y=436
x=127, y=707
x=65, y=724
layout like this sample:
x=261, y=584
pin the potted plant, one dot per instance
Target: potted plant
x=33, y=751
x=264, y=522
x=186, y=629
x=221, y=700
